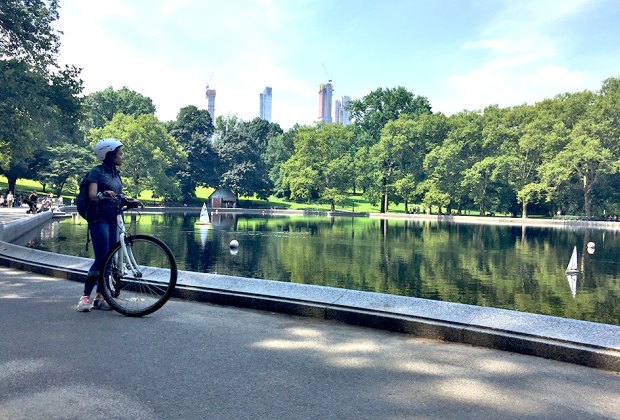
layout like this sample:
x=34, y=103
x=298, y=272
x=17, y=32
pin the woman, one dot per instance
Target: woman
x=104, y=185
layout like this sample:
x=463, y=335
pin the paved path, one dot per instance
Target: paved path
x=192, y=360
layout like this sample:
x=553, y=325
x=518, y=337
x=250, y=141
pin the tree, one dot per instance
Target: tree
x=39, y=105
x=584, y=158
x=65, y=164
x=371, y=113
x=100, y=107
x=446, y=163
x=321, y=164
x=192, y=130
x=401, y=151
x=374, y=110
x=37, y=110
x=261, y=132
x=279, y=149
x=242, y=168
x=483, y=177
x=26, y=31
x=152, y=157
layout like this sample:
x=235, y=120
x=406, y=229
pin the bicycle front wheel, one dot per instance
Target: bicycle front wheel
x=139, y=280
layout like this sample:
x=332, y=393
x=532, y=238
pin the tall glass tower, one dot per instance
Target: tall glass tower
x=211, y=103
x=325, y=102
x=265, y=104
x=341, y=114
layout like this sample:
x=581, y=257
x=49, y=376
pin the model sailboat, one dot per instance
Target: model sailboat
x=205, y=217
x=571, y=272
x=572, y=266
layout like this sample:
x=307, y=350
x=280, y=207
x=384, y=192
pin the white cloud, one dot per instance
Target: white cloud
x=518, y=61
x=184, y=44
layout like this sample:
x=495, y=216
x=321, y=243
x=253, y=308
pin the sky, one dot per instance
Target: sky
x=460, y=54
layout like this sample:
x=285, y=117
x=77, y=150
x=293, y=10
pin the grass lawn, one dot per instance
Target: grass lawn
x=354, y=202
x=25, y=186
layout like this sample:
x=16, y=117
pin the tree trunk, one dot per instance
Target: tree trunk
x=386, y=201
x=12, y=180
x=406, y=207
x=524, y=209
x=333, y=206
x=384, y=182
x=587, y=195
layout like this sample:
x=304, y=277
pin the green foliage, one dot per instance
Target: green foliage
x=100, y=107
x=371, y=113
x=279, y=149
x=65, y=165
x=192, y=130
x=242, y=168
x=152, y=157
x=26, y=31
x=39, y=105
x=321, y=164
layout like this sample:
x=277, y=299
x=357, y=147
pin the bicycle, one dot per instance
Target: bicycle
x=139, y=273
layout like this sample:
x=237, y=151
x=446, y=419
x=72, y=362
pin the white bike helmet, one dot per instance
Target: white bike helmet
x=106, y=145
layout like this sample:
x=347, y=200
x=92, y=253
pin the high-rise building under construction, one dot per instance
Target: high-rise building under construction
x=325, y=102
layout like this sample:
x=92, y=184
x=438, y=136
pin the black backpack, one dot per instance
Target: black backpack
x=82, y=200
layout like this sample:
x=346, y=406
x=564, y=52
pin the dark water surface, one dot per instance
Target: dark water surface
x=498, y=266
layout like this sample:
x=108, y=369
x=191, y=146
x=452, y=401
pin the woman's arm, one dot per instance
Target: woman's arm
x=92, y=192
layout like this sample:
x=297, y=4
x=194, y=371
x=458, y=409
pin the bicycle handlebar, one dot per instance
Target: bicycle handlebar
x=123, y=203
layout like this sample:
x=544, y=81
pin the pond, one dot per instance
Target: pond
x=499, y=266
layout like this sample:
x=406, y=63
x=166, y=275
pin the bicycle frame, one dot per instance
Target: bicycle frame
x=131, y=264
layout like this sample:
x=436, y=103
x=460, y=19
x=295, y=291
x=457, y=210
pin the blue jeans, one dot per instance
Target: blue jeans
x=103, y=237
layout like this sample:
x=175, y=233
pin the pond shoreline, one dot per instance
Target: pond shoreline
x=482, y=220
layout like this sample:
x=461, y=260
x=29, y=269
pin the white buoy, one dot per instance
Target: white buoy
x=234, y=244
x=591, y=248
x=591, y=244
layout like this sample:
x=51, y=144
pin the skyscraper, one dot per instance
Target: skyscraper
x=325, y=102
x=265, y=104
x=211, y=103
x=341, y=114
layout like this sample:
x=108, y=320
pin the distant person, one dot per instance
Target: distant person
x=104, y=184
x=10, y=199
x=46, y=204
x=32, y=202
x=59, y=202
x=1, y=200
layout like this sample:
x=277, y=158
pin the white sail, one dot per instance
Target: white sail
x=572, y=266
x=205, y=217
x=204, y=213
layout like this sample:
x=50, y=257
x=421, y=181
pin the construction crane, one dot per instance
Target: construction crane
x=329, y=79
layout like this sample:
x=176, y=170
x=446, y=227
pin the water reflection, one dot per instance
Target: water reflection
x=572, y=283
x=502, y=266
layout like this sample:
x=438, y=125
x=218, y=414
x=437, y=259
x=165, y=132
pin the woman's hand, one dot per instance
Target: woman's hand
x=107, y=194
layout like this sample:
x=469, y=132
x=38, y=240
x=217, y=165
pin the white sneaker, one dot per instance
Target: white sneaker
x=84, y=304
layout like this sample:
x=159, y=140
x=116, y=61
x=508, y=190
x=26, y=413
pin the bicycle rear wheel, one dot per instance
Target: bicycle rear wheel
x=140, y=281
